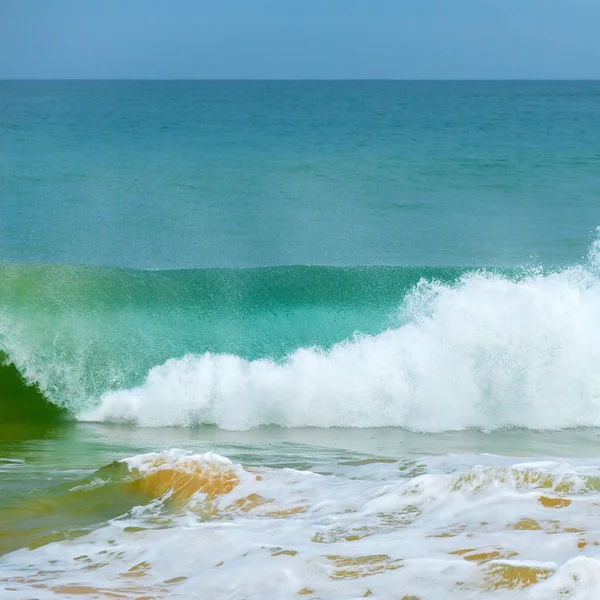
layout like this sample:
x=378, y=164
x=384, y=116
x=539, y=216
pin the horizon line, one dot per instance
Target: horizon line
x=300, y=80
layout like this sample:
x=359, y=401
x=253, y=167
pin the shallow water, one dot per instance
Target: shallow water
x=319, y=513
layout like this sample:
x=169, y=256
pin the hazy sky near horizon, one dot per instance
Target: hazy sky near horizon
x=300, y=39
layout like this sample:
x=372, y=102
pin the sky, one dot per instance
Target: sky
x=300, y=39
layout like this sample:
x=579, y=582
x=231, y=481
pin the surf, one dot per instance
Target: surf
x=76, y=332
x=488, y=352
x=419, y=348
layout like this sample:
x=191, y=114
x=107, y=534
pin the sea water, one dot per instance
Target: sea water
x=299, y=340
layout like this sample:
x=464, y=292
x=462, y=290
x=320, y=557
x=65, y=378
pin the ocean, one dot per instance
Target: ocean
x=325, y=340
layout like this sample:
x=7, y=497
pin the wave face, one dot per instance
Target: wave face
x=80, y=332
x=424, y=349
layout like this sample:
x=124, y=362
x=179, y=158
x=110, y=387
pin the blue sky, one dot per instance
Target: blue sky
x=300, y=39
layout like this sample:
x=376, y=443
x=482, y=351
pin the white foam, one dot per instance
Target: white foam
x=174, y=457
x=488, y=352
x=429, y=536
x=578, y=578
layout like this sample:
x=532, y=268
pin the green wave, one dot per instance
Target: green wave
x=21, y=401
x=75, y=332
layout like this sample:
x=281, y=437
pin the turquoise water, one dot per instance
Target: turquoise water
x=299, y=339
x=235, y=174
